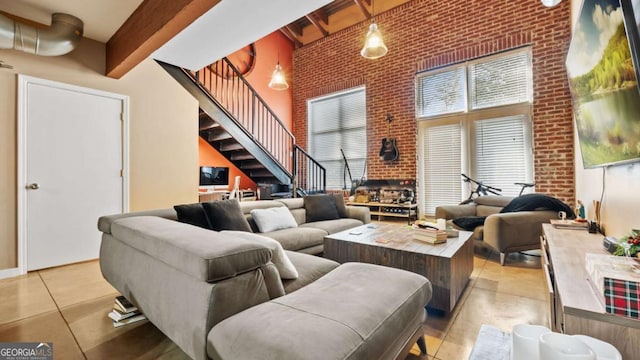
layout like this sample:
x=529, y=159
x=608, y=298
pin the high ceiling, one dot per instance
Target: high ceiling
x=103, y=19
x=333, y=17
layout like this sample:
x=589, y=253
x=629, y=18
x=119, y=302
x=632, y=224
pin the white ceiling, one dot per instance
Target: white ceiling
x=228, y=26
x=101, y=17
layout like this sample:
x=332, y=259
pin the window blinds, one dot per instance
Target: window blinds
x=501, y=80
x=502, y=152
x=441, y=166
x=441, y=92
x=338, y=122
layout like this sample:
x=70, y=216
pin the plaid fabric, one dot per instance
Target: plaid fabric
x=622, y=297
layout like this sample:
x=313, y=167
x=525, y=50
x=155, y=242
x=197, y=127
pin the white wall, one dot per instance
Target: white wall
x=621, y=205
x=163, y=130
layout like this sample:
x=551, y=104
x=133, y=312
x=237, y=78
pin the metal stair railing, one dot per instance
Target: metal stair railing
x=309, y=174
x=232, y=92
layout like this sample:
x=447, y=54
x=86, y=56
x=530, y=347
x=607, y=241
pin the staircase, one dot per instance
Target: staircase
x=238, y=123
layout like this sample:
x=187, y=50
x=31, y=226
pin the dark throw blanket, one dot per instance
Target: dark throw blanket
x=527, y=202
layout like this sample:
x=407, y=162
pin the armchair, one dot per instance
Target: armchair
x=506, y=232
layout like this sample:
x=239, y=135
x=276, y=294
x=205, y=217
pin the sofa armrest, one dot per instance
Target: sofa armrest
x=361, y=213
x=448, y=212
x=204, y=254
x=517, y=230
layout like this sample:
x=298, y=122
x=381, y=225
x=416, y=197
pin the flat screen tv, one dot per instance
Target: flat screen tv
x=214, y=176
x=602, y=74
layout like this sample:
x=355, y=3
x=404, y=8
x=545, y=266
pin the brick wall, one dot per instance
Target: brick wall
x=424, y=34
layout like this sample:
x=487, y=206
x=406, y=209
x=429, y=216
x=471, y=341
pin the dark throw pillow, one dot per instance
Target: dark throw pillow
x=226, y=215
x=469, y=222
x=340, y=205
x=528, y=202
x=320, y=207
x=193, y=214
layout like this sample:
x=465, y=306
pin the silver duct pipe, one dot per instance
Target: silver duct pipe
x=60, y=38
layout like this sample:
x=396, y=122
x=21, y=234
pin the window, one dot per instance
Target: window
x=441, y=162
x=502, y=152
x=501, y=80
x=474, y=118
x=338, y=122
x=442, y=92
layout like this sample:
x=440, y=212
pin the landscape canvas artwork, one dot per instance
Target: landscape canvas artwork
x=604, y=86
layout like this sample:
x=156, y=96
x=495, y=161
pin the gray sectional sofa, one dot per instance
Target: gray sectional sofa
x=220, y=295
x=308, y=236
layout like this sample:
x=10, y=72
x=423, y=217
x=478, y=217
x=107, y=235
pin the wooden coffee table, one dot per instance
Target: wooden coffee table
x=447, y=265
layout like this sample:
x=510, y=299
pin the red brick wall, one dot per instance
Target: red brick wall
x=424, y=34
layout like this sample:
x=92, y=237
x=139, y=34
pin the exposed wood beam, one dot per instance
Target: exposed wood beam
x=317, y=24
x=364, y=10
x=295, y=29
x=322, y=15
x=291, y=36
x=150, y=26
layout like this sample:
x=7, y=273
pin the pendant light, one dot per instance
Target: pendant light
x=551, y=3
x=278, y=79
x=373, y=44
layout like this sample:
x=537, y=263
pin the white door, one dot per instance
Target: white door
x=72, y=169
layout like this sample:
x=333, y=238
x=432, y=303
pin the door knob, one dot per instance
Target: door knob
x=33, y=186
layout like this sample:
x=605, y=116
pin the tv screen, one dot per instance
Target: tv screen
x=210, y=175
x=604, y=86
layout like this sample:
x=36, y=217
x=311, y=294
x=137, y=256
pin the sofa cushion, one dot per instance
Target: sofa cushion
x=310, y=268
x=226, y=215
x=320, y=207
x=193, y=214
x=207, y=255
x=333, y=226
x=298, y=238
x=247, y=206
x=493, y=200
x=279, y=258
x=293, y=203
x=485, y=210
x=272, y=219
x=104, y=222
x=340, y=205
x=377, y=305
x=300, y=215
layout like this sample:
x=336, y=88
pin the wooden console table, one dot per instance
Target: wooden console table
x=408, y=211
x=574, y=305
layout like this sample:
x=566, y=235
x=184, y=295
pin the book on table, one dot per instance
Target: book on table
x=124, y=305
x=428, y=239
x=431, y=236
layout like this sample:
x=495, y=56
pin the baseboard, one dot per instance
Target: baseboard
x=9, y=273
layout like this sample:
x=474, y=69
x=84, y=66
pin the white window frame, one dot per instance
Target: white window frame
x=468, y=119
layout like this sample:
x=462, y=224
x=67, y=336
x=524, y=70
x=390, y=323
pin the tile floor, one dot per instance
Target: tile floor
x=67, y=305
